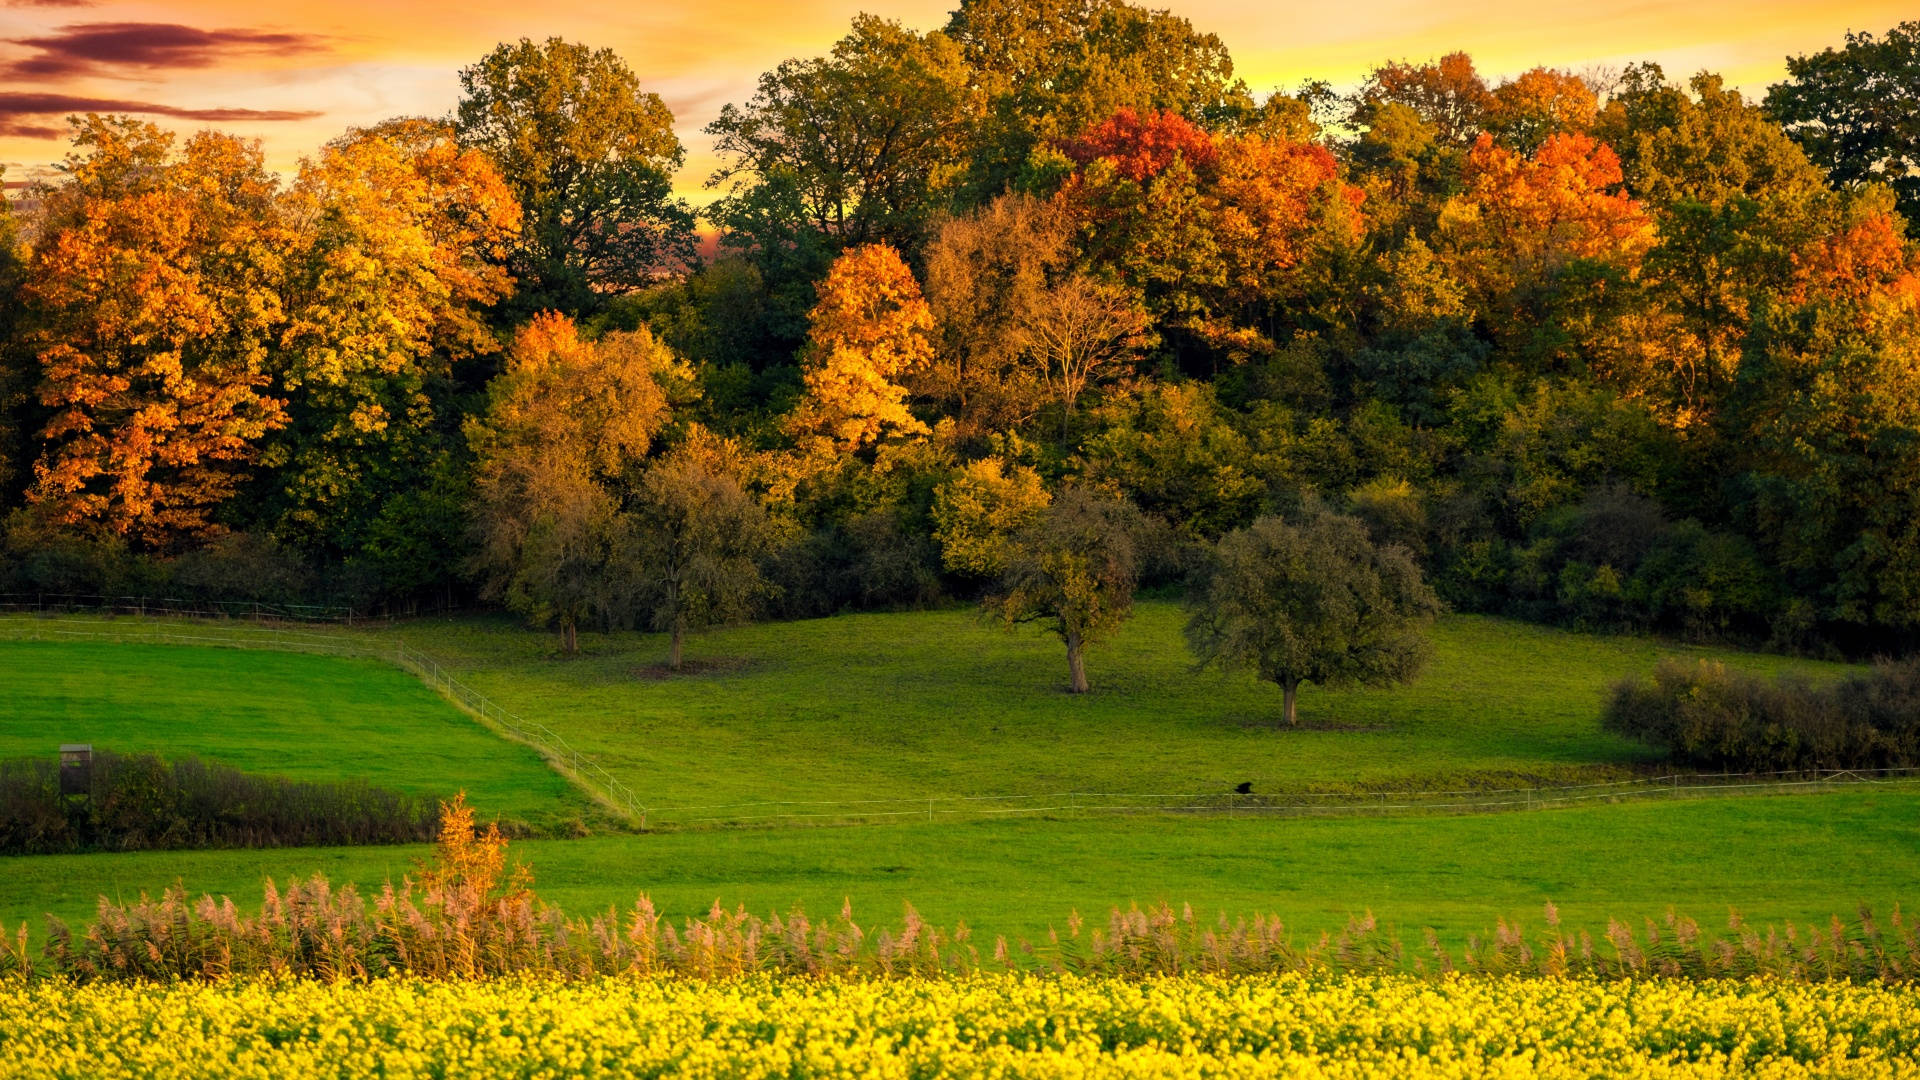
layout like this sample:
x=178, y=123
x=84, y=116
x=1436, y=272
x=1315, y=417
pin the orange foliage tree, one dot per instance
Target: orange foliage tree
x=1525, y=222
x=870, y=327
x=153, y=294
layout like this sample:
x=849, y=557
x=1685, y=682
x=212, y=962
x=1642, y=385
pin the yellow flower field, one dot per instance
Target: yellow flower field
x=999, y=1026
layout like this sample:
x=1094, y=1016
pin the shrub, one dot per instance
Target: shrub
x=1707, y=716
x=140, y=801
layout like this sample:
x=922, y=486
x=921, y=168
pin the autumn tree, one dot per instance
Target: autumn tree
x=689, y=539
x=1533, y=238
x=16, y=368
x=987, y=274
x=396, y=233
x=1311, y=602
x=1735, y=199
x=870, y=327
x=1081, y=332
x=1538, y=104
x=1856, y=110
x=1073, y=571
x=1447, y=94
x=153, y=299
x=590, y=157
x=566, y=421
x=979, y=509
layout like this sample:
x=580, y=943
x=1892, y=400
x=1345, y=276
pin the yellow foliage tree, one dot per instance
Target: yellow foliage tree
x=565, y=420
x=869, y=328
x=976, y=513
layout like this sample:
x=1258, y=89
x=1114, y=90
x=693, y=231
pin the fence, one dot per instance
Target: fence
x=938, y=808
x=1296, y=804
x=141, y=606
x=583, y=769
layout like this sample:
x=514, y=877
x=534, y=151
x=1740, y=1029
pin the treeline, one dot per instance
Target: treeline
x=1609, y=350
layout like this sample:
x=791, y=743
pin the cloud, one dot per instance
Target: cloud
x=26, y=114
x=52, y=3
x=112, y=48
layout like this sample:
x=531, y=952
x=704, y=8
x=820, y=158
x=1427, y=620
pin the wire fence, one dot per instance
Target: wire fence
x=1301, y=802
x=1291, y=804
x=158, y=631
x=176, y=607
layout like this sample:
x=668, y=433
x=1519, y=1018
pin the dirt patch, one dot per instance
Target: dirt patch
x=694, y=667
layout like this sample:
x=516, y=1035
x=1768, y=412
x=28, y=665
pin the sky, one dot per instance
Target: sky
x=295, y=73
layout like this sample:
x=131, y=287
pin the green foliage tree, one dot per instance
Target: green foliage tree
x=1050, y=69
x=1311, y=602
x=1856, y=110
x=851, y=148
x=690, y=538
x=590, y=157
x=1073, y=570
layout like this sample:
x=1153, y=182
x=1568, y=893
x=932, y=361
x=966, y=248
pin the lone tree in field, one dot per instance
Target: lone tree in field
x=1074, y=570
x=690, y=542
x=1315, y=602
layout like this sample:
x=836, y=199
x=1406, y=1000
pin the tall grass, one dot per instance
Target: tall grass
x=464, y=914
x=141, y=802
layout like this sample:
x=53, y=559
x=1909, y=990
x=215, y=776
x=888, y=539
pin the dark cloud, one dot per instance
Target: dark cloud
x=133, y=48
x=30, y=115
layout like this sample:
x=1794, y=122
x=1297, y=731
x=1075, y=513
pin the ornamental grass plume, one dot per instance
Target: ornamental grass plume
x=470, y=912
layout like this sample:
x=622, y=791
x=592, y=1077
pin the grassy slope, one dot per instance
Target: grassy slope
x=1796, y=857
x=308, y=717
x=898, y=705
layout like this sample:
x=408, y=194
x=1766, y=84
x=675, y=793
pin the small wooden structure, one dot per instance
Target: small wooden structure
x=76, y=769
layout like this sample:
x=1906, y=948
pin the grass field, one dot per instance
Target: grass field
x=1800, y=857
x=888, y=706
x=307, y=717
x=906, y=705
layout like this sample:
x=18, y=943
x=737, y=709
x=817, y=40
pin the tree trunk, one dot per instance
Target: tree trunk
x=674, y=637
x=569, y=636
x=1289, y=691
x=1076, y=663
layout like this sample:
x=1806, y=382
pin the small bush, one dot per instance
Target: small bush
x=140, y=802
x=1707, y=716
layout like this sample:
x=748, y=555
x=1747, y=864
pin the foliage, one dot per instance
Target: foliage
x=856, y=147
x=1072, y=570
x=1704, y=715
x=978, y=511
x=689, y=541
x=565, y=421
x=1312, y=602
x=142, y=802
x=152, y=310
x=590, y=158
x=870, y=327
x=1856, y=110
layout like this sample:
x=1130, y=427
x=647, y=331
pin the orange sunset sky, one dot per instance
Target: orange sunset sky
x=296, y=72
